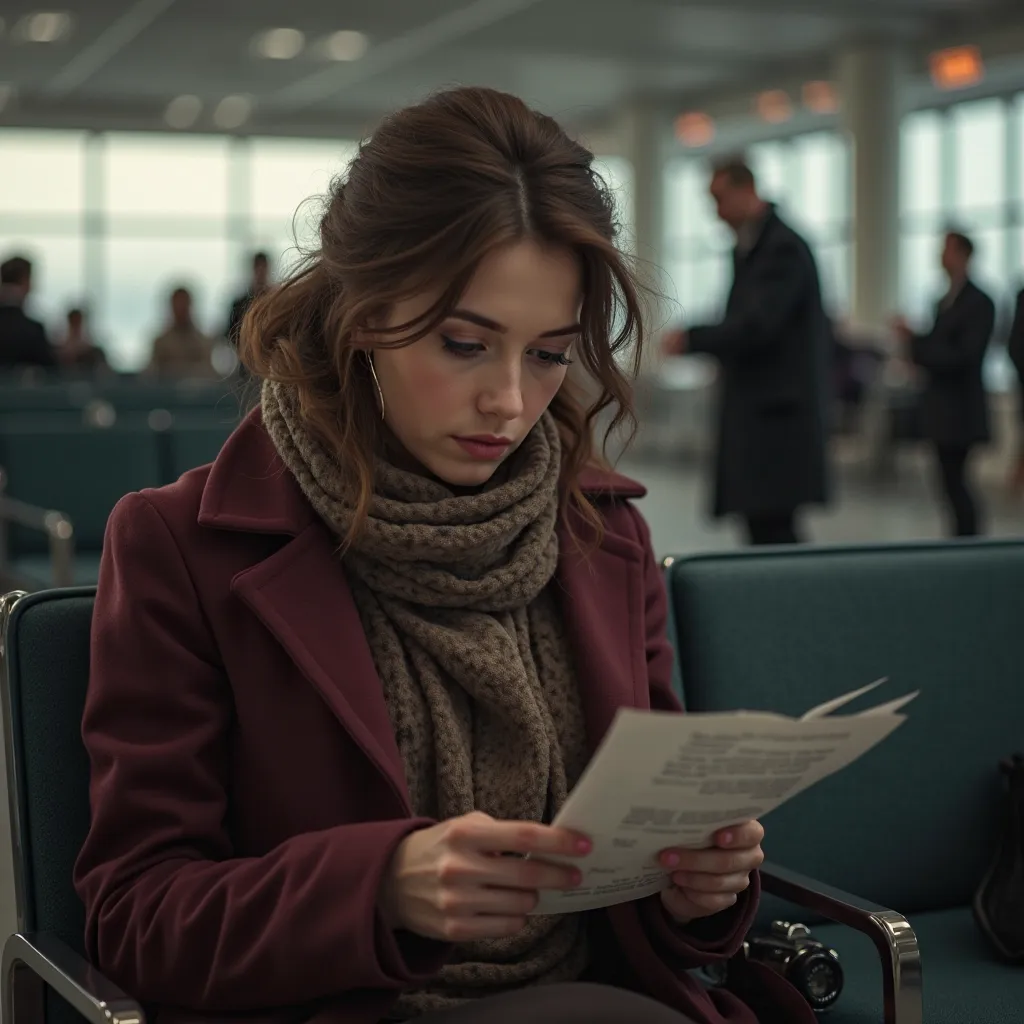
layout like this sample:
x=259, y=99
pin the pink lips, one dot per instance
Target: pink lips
x=485, y=447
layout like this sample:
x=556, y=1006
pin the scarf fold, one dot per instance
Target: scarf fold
x=453, y=593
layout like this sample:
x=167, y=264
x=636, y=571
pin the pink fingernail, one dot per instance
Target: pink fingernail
x=726, y=838
x=671, y=860
x=583, y=846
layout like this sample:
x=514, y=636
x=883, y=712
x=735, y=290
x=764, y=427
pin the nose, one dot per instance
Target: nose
x=502, y=394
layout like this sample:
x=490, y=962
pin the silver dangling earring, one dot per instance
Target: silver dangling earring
x=373, y=372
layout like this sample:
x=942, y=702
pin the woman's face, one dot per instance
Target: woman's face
x=463, y=398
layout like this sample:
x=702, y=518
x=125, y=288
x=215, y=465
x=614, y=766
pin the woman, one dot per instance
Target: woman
x=341, y=672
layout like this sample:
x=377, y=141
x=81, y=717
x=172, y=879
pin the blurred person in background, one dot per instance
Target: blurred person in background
x=257, y=286
x=182, y=350
x=951, y=355
x=23, y=341
x=774, y=348
x=1015, y=350
x=77, y=351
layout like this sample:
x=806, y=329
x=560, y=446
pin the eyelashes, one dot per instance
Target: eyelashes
x=469, y=349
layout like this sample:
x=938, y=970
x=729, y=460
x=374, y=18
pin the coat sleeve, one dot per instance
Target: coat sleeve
x=173, y=915
x=778, y=283
x=956, y=342
x=644, y=927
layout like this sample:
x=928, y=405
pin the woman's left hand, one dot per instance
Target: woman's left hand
x=706, y=882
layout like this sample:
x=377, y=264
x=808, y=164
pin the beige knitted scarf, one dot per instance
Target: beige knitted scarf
x=453, y=592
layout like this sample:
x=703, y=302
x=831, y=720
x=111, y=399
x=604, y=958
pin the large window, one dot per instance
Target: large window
x=808, y=177
x=115, y=221
x=961, y=169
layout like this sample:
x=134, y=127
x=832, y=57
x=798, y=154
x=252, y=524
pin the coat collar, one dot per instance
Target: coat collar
x=250, y=489
x=301, y=595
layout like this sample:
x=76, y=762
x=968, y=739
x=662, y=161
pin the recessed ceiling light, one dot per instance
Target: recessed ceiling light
x=279, y=43
x=232, y=112
x=44, y=27
x=183, y=111
x=345, y=45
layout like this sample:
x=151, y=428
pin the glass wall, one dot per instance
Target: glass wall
x=115, y=221
x=962, y=168
x=807, y=176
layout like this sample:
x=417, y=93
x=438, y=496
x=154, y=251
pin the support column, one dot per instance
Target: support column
x=870, y=80
x=641, y=132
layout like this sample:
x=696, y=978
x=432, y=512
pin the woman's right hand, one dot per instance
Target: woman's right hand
x=452, y=882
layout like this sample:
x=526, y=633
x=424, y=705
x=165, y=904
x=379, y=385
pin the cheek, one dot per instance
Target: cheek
x=540, y=388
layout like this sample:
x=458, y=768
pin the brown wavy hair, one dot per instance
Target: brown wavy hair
x=436, y=188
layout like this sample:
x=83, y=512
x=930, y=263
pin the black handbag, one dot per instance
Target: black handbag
x=999, y=901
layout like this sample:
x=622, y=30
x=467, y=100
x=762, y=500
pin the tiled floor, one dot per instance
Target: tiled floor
x=898, y=509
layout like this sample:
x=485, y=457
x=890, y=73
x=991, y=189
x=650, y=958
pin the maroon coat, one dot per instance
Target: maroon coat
x=247, y=791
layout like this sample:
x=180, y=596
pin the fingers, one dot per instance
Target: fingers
x=480, y=926
x=685, y=906
x=713, y=862
x=696, y=882
x=488, y=835
x=471, y=868
x=738, y=837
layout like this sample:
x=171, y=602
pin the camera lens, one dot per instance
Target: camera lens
x=818, y=976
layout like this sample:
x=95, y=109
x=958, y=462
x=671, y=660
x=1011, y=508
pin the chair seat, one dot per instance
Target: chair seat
x=36, y=572
x=963, y=982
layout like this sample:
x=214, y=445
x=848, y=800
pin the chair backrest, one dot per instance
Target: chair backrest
x=82, y=472
x=195, y=443
x=914, y=822
x=46, y=674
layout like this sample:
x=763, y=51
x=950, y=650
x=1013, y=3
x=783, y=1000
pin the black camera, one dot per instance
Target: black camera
x=808, y=965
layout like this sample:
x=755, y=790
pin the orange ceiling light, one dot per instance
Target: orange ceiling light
x=774, y=106
x=695, y=129
x=957, y=67
x=820, y=97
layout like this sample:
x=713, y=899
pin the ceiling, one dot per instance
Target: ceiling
x=124, y=60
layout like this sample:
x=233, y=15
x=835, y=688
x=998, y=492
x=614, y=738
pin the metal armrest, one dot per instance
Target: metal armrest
x=56, y=525
x=890, y=932
x=30, y=961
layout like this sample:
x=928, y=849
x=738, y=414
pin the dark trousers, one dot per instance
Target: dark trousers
x=963, y=508
x=568, y=1003
x=775, y=528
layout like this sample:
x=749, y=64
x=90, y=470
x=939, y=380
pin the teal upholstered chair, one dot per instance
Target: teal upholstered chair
x=912, y=825
x=45, y=638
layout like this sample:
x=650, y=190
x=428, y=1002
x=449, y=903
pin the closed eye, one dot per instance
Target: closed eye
x=461, y=348
x=552, y=358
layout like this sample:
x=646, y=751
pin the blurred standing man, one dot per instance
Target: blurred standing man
x=955, y=406
x=22, y=340
x=774, y=349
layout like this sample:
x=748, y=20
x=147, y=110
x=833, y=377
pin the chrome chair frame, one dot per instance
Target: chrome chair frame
x=56, y=525
x=33, y=961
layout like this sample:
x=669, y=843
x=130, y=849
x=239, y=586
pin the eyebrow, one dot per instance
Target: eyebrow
x=492, y=325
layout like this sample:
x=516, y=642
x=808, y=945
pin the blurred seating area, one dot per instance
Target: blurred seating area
x=70, y=448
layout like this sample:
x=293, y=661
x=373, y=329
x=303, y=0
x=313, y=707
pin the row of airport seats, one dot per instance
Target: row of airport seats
x=910, y=826
x=882, y=859
x=70, y=450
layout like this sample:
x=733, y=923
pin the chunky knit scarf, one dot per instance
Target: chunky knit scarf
x=454, y=598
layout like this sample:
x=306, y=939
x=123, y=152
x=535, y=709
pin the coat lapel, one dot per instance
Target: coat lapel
x=301, y=595
x=601, y=596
